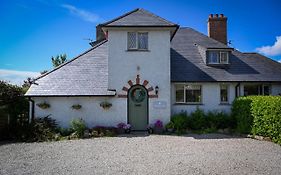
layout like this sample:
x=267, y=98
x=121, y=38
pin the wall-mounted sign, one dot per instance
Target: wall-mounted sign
x=159, y=104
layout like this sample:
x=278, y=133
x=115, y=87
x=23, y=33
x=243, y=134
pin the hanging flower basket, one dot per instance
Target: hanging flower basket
x=105, y=105
x=77, y=107
x=43, y=105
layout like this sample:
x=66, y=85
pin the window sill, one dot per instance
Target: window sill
x=188, y=103
x=137, y=50
x=225, y=104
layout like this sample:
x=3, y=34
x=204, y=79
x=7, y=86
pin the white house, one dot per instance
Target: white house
x=142, y=68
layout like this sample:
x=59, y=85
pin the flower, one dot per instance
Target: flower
x=128, y=126
x=158, y=124
x=121, y=125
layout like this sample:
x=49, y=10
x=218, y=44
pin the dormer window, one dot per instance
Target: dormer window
x=217, y=57
x=137, y=40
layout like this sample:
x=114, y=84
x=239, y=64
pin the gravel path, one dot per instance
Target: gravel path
x=191, y=154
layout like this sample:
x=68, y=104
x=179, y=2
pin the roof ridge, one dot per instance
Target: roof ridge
x=154, y=15
x=119, y=17
x=206, y=36
x=56, y=68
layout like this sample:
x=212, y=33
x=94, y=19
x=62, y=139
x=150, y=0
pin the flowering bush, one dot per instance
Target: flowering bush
x=128, y=126
x=158, y=124
x=121, y=125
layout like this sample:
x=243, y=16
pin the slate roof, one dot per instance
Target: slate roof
x=139, y=17
x=187, y=64
x=85, y=75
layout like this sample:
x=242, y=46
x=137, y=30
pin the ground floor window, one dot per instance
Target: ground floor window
x=188, y=93
x=224, y=93
x=257, y=89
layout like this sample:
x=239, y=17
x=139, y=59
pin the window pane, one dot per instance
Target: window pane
x=179, y=93
x=224, y=93
x=193, y=93
x=143, y=40
x=266, y=90
x=223, y=57
x=132, y=40
x=213, y=57
x=251, y=90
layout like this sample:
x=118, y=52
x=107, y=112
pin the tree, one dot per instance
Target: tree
x=58, y=60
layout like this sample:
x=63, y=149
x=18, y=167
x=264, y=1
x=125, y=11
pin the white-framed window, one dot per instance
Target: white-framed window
x=137, y=40
x=217, y=57
x=213, y=57
x=224, y=93
x=223, y=57
x=188, y=93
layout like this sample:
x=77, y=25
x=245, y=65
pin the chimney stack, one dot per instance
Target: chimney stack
x=217, y=27
x=99, y=33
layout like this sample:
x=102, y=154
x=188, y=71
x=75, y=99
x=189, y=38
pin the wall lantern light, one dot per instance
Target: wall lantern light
x=156, y=90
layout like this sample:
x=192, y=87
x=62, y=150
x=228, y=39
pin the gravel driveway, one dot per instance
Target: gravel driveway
x=191, y=154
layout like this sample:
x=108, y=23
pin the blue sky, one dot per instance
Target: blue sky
x=32, y=31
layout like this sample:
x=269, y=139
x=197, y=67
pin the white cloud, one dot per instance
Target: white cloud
x=83, y=14
x=273, y=50
x=16, y=77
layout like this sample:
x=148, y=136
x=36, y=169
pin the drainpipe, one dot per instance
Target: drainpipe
x=237, y=90
x=31, y=117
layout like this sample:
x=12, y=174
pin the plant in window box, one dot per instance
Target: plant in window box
x=43, y=105
x=170, y=127
x=158, y=127
x=105, y=105
x=77, y=106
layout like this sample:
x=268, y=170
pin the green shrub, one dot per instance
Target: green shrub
x=180, y=122
x=41, y=129
x=218, y=120
x=198, y=120
x=259, y=115
x=241, y=111
x=65, y=131
x=170, y=125
x=78, y=126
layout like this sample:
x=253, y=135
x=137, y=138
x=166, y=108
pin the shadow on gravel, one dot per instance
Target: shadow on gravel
x=195, y=136
x=213, y=136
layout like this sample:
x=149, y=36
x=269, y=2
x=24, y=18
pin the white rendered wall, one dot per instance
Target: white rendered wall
x=210, y=99
x=154, y=66
x=91, y=112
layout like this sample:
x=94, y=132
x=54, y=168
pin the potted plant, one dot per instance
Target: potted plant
x=170, y=127
x=121, y=128
x=77, y=106
x=158, y=127
x=127, y=129
x=43, y=105
x=105, y=105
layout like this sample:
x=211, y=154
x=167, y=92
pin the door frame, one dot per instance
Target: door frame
x=147, y=105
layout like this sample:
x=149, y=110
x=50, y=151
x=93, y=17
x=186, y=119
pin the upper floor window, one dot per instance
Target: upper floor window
x=137, y=40
x=217, y=57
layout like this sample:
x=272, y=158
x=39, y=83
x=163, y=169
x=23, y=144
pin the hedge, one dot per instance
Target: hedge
x=259, y=115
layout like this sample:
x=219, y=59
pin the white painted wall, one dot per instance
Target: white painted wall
x=91, y=112
x=154, y=66
x=210, y=99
